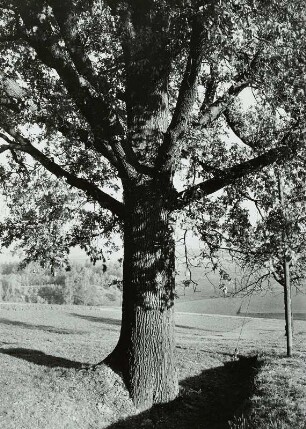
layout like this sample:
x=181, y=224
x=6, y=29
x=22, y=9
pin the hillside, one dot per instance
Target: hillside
x=268, y=305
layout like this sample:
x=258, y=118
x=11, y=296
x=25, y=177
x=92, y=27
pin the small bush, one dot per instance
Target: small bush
x=51, y=294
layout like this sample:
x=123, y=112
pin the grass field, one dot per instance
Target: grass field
x=269, y=305
x=46, y=384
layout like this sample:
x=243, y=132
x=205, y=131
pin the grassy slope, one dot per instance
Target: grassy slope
x=43, y=385
x=268, y=305
x=279, y=396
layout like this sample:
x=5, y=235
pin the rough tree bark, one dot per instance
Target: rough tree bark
x=145, y=351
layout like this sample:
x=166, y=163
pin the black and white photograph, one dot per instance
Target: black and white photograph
x=152, y=214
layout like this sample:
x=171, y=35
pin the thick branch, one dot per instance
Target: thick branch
x=210, y=87
x=12, y=91
x=90, y=92
x=236, y=126
x=105, y=200
x=71, y=131
x=66, y=14
x=104, y=123
x=231, y=174
x=94, y=105
x=4, y=147
x=209, y=113
x=186, y=97
x=127, y=159
x=94, y=108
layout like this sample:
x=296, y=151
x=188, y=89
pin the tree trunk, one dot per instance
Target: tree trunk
x=286, y=270
x=288, y=307
x=145, y=351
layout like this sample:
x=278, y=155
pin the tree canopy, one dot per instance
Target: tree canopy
x=64, y=104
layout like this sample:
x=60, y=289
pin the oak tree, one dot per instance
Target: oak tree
x=131, y=97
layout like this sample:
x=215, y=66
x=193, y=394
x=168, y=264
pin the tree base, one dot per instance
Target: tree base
x=146, y=362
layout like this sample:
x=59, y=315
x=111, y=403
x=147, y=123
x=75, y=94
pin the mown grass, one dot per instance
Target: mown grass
x=47, y=382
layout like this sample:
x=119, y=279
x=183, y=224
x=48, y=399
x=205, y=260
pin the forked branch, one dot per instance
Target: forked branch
x=209, y=113
x=186, y=97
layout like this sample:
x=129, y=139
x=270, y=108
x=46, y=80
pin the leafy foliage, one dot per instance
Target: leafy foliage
x=110, y=94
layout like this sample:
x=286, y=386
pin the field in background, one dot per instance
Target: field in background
x=88, y=285
x=207, y=299
x=268, y=305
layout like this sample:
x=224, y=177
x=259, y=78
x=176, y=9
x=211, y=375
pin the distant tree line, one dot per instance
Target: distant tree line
x=81, y=285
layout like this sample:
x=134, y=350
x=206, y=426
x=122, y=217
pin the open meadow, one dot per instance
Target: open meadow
x=47, y=381
x=265, y=305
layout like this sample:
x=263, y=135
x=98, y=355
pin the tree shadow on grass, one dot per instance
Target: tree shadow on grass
x=209, y=400
x=40, y=358
x=46, y=328
x=106, y=320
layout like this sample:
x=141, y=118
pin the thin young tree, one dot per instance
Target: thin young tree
x=272, y=249
x=118, y=97
x=263, y=231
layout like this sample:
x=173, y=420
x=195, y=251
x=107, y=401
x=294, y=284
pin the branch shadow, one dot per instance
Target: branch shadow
x=40, y=358
x=46, y=328
x=106, y=320
x=209, y=400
